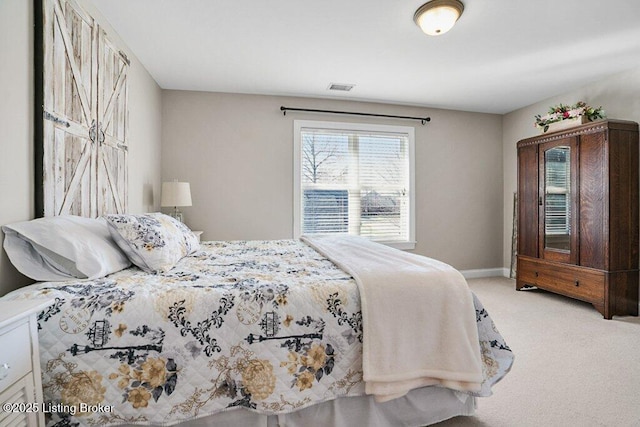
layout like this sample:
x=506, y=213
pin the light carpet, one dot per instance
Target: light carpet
x=572, y=367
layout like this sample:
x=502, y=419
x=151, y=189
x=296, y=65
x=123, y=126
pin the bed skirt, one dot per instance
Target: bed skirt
x=420, y=407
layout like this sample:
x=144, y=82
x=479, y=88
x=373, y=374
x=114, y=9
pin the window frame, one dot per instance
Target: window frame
x=298, y=125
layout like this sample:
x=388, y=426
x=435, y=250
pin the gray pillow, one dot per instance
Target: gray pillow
x=63, y=248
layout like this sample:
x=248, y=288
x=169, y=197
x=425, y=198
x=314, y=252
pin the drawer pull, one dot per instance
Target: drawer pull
x=577, y=283
x=536, y=273
x=4, y=370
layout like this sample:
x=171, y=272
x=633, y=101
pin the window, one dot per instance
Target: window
x=355, y=179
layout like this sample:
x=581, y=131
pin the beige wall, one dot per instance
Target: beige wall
x=619, y=95
x=16, y=122
x=237, y=153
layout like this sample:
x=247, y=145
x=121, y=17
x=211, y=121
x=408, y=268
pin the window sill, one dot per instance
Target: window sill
x=400, y=245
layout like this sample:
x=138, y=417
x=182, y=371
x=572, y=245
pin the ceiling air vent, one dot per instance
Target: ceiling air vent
x=341, y=87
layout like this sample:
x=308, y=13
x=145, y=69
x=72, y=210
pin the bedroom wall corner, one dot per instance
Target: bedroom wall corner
x=17, y=118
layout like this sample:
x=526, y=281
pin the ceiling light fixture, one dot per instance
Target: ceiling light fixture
x=438, y=16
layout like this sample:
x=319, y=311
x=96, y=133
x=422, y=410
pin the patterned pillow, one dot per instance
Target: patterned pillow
x=155, y=242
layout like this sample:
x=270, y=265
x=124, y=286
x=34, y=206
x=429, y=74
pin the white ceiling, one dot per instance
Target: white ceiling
x=501, y=55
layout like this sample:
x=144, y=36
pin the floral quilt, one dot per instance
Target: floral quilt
x=271, y=326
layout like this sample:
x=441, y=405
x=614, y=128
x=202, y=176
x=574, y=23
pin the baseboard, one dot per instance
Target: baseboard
x=485, y=272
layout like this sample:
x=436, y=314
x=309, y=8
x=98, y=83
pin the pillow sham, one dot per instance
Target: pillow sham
x=60, y=248
x=155, y=242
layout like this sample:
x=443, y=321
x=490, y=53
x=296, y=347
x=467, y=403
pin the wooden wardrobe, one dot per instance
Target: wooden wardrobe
x=578, y=214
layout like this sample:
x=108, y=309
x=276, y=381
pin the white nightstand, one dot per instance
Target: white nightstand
x=20, y=379
x=198, y=234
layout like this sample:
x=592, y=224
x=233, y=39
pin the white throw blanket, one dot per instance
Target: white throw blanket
x=419, y=325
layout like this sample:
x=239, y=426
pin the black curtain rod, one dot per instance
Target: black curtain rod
x=423, y=120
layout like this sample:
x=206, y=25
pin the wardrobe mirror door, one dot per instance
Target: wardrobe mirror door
x=557, y=193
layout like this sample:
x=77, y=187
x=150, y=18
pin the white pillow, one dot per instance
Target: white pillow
x=155, y=242
x=63, y=248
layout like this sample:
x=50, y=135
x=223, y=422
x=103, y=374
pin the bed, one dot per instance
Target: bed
x=251, y=333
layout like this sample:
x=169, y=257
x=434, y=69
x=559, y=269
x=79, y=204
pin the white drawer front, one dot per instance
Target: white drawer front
x=20, y=393
x=15, y=352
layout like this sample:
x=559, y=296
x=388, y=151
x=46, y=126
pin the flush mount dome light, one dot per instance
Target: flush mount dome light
x=438, y=16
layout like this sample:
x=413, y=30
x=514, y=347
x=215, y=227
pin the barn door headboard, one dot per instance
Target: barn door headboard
x=82, y=118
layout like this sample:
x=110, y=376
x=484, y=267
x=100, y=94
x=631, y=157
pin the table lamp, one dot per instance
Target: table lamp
x=176, y=194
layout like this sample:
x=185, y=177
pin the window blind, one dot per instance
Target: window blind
x=355, y=182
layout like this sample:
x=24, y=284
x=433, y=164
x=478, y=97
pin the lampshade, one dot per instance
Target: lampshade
x=438, y=16
x=176, y=194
